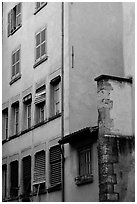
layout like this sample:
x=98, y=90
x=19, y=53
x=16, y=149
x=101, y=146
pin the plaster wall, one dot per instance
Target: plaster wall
x=96, y=33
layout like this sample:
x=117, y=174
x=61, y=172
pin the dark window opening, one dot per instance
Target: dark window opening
x=14, y=179
x=5, y=124
x=26, y=175
x=4, y=181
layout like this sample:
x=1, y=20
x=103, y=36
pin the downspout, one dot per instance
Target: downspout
x=62, y=103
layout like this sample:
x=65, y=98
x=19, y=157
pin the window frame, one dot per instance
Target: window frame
x=16, y=119
x=39, y=8
x=44, y=56
x=16, y=74
x=12, y=19
x=28, y=115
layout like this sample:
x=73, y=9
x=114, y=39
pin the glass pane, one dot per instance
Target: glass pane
x=37, y=39
x=43, y=50
x=18, y=10
x=13, y=58
x=37, y=5
x=18, y=20
x=38, y=52
x=17, y=55
x=17, y=68
x=43, y=35
x=13, y=70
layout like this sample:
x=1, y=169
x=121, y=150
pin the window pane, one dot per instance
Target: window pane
x=37, y=39
x=43, y=35
x=37, y=5
x=17, y=68
x=38, y=52
x=13, y=70
x=13, y=58
x=43, y=50
x=18, y=20
x=17, y=55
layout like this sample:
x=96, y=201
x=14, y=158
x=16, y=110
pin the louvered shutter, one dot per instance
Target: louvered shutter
x=40, y=95
x=27, y=175
x=55, y=165
x=39, y=167
x=9, y=23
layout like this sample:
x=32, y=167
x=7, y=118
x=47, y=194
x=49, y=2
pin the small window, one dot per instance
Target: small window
x=15, y=64
x=15, y=118
x=55, y=165
x=14, y=179
x=55, y=97
x=4, y=181
x=39, y=181
x=27, y=111
x=41, y=45
x=85, y=166
x=14, y=19
x=26, y=165
x=40, y=5
x=5, y=124
x=40, y=102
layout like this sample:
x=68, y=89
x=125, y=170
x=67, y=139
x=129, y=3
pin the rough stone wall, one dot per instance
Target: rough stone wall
x=115, y=149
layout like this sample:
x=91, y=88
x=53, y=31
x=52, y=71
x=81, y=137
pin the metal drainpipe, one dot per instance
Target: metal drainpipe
x=62, y=103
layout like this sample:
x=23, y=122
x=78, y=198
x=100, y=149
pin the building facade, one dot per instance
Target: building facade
x=47, y=132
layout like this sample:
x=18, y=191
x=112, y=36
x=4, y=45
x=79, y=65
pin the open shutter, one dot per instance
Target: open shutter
x=55, y=165
x=27, y=174
x=9, y=23
x=40, y=94
x=39, y=168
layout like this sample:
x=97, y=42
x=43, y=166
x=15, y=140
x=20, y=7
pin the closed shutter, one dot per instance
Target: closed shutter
x=27, y=175
x=14, y=178
x=39, y=167
x=40, y=95
x=55, y=165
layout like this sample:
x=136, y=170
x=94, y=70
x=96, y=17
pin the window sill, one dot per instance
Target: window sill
x=40, y=8
x=57, y=187
x=81, y=180
x=40, y=61
x=15, y=79
x=15, y=30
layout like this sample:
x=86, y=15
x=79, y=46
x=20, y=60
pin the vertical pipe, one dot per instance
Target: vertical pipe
x=62, y=102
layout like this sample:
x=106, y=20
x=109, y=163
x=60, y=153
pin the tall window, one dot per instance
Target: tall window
x=16, y=63
x=14, y=19
x=27, y=111
x=14, y=179
x=55, y=96
x=15, y=118
x=39, y=181
x=26, y=164
x=40, y=45
x=5, y=124
x=55, y=165
x=85, y=161
x=40, y=102
x=4, y=181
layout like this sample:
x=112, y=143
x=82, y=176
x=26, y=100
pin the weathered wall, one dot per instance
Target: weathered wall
x=96, y=34
x=116, y=140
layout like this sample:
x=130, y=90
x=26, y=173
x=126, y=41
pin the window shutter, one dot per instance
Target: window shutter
x=39, y=168
x=9, y=23
x=55, y=165
x=27, y=174
x=40, y=94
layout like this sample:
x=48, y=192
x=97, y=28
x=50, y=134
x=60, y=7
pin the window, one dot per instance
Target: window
x=14, y=179
x=27, y=111
x=55, y=96
x=85, y=166
x=40, y=5
x=14, y=19
x=15, y=63
x=26, y=165
x=4, y=181
x=5, y=124
x=40, y=102
x=39, y=172
x=40, y=45
x=15, y=118
x=55, y=165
